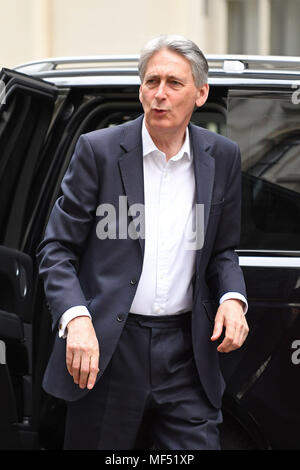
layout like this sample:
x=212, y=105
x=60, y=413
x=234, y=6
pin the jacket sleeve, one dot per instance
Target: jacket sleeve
x=223, y=272
x=67, y=229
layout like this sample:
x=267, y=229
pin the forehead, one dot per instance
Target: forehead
x=168, y=62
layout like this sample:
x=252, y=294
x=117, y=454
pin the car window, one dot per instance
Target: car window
x=24, y=120
x=267, y=128
x=212, y=116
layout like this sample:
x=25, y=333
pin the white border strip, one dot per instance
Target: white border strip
x=269, y=261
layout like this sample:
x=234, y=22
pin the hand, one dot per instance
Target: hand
x=230, y=315
x=82, y=354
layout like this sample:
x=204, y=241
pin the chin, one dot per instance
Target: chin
x=160, y=122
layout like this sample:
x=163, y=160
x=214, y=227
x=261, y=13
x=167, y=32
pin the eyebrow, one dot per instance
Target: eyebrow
x=172, y=77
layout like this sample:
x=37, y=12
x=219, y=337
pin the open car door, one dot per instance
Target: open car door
x=26, y=110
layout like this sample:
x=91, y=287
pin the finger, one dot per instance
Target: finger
x=71, y=351
x=238, y=337
x=235, y=336
x=241, y=331
x=76, y=366
x=244, y=332
x=69, y=360
x=94, y=369
x=227, y=342
x=225, y=346
x=84, y=370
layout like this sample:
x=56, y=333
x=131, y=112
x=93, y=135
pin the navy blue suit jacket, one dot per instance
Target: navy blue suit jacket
x=80, y=269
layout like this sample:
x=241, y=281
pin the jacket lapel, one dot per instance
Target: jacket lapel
x=204, y=167
x=132, y=174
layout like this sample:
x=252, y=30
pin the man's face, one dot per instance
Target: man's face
x=168, y=92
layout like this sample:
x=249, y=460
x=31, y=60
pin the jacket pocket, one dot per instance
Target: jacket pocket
x=211, y=308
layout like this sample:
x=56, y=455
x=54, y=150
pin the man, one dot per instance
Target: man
x=147, y=302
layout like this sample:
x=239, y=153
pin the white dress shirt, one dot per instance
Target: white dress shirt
x=165, y=286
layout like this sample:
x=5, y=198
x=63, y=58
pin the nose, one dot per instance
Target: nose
x=161, y=91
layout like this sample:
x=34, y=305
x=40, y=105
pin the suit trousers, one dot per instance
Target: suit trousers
x=150, y=395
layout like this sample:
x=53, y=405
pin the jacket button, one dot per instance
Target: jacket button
x=133, y=281
x=120, y=317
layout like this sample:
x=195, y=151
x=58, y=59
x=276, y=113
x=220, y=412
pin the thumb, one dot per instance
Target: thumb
x=217, y=329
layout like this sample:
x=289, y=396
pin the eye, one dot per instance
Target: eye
x=175, y=83
x=151, y=81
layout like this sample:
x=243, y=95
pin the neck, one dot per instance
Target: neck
x=168, y=143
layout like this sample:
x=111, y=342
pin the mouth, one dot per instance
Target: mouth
x=159, y=112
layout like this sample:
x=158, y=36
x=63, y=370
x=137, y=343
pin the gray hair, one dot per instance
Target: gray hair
x=182, y=46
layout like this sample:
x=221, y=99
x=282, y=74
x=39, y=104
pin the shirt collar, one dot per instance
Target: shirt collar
x=150, y=147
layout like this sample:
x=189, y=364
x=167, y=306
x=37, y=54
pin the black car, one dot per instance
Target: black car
x=44, y=108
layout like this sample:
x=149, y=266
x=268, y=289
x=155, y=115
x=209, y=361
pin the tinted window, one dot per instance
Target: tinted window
x=24, y=120
x=267, y=128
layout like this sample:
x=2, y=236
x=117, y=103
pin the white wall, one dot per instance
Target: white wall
x=17, y=32
x=33, y=29
x=120, y=27
x=43, y=28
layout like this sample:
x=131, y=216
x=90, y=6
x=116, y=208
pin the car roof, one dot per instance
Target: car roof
x=123, y=70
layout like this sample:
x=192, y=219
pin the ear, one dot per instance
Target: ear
x=140, y=93
x=202, y=95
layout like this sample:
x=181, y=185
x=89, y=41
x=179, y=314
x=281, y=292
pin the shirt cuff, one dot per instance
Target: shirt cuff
x=235, y=295
x=73, y=312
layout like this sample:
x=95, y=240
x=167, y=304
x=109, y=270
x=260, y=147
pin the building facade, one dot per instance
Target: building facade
x=34, y=29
